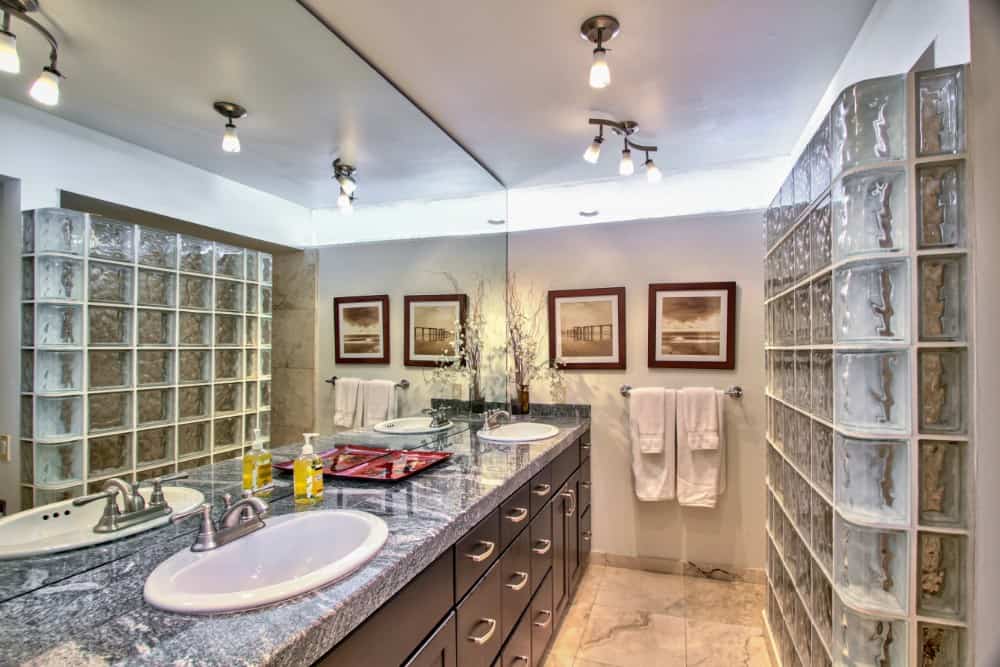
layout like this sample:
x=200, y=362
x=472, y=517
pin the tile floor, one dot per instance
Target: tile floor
x=631, y=618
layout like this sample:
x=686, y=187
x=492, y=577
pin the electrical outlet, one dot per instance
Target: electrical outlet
x=4, y=448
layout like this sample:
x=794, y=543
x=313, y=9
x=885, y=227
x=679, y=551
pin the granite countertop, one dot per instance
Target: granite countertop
x=99, y=616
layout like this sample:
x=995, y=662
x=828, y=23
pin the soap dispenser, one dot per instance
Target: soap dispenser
x=308, y=474
x=257, y=476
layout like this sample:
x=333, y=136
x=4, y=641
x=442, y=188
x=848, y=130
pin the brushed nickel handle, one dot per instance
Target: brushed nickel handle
x=586, y=535
x=482, y=639
x=519, y=585
x=487, y=552
x=585, y=485
x=571, y=494
x=542, y=490
x=548, y=619
x=519, y=658
x=544, y=549
x=517, y=515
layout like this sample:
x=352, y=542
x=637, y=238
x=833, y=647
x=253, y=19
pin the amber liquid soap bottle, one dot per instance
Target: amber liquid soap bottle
x=308, y=474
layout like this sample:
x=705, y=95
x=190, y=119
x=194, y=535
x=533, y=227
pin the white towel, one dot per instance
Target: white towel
x=379, y=398
x=646, y=415
x=654, y=473
x=700, y=409
x=701, y=473
x=346, y=403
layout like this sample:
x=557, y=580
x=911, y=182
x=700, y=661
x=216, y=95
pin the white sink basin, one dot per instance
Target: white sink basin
x=410, y=426
x=291, y=555
x=519, y=432
x=60, y=526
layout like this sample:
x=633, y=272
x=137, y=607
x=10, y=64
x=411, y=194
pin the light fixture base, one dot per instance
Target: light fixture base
x=230, y=110
x=605, y=26
x=20, y=5
x=626, y=128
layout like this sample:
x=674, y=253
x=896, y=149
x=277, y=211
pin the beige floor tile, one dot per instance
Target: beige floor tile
x=712, y=644
x=572, y=629
x=589, y=585
x=733, y=603
x=624, y=638
x=641, y=591
x=554, y=659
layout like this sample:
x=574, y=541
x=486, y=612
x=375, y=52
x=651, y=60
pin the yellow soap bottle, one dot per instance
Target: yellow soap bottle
x=257, y=476
x=308, y=474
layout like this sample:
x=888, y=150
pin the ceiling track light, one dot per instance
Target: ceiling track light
x=600, y=29
x=230, y=111
x=626, y=166
x=45, y=89
x=343, y=173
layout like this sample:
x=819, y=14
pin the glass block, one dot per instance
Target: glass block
x=27, y=417
x=58, y=417
x=228, y=397
x=109, y=326
x=249, y=424
x=787, y=209
x=192, y=439
x=819, y=160
x=803, y=325
x=228, y=296
x=252, y=327
x=867, y=123
x=58, y=464
x=252, y=298
x=253, y=265
x=942, y=391
x=228, y=364
x=265, y=268
x=822, y=310
x=822, y=457
x=265, y=300
x=111, y=411
x=941, y=588
x=196, y=255
x=873, y=480
x=228, y=432
x=867, y=641
x=265, y=331
x=821, y=601
x=228, y=456
x=227, y=329
x=265, y=363
x=110, y=239
x=251, y=364
x=191, y=464
x=872, y=566
x=156, y=327
x=941, y=210
x=58, y=230
x=110, y=283
x=802, y=379
x=155, y=406
x=784, y=316
x=941, y=474
x=264, y=423
x=57, y=371
x=155, y=367
x=27, y=232
x=942, y=297
x=872, y=302
x=59, y=278
x=28, y=372
x=156, y=288
x=109, y=369
x=941, y=645
x=157, y=248
x=195, y=329
x=159, y=471
x=27, y=465
x=941, y=111
x=195, y=293
x=872, y=391
x=821, y=519
x=155, y=445
x=193, y=402
x=265, y=394
x=869, y=212
x=195, y=366
x=28, y=325
x=59, y=325
x=228, y=261
x=49, y=496
x=822, y=384
x=250, y=391
x=800, y=183
x=27, y=279
x=109, y=454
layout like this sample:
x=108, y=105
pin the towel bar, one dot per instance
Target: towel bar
x=735, y=391
x=402, y=384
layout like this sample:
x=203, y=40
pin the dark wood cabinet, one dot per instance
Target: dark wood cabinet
x=541, y=545
x=480, y=634
x=476, y=552
x=515, y=573
x=515, y=514
x=517, y=652
x=540, y=489
x=440, y=650
x=542, y=619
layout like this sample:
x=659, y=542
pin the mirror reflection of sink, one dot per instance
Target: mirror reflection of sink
x=60, y=526
x=261, y=569
x=518, y=432
x=410, y=426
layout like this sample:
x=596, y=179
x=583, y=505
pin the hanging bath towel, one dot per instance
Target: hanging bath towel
x=653, y=472
x=379, y=397
x=701, y=473
x=347, y=403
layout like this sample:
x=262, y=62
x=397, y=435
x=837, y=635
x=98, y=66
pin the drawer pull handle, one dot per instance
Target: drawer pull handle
x=517, y=515
x=548, y=619
x=542, y=490
x=571, y=494
x=519, y=585
x=585, y=446
x=586, y=535
x=519, y=659
x=486, y=553
x=482, y=639
x=585, y=485
x=544, y=548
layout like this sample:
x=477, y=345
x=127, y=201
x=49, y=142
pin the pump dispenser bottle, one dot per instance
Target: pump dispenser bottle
x=257, y=467
x=308, y=474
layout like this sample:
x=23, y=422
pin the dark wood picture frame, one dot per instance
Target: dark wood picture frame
x=383, y=300
x=729, y=363
x=463, y=305
x=556, y=295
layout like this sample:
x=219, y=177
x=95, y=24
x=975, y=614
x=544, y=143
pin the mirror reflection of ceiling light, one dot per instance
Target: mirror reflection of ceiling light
x=626, y=166
x=600, y=29
x=10, y=62
x=343, y=173
x=231, y=111
x=45, y=89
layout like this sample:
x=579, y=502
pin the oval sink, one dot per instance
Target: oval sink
x=519, y=432
x=410, y=426
x=60, y=526
x=262, y=568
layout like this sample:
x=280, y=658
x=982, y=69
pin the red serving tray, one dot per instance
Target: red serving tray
x=397, y=465
x=341, y=457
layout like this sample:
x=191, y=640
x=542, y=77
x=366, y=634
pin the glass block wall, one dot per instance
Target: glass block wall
x=867, y=356
x=143, y=352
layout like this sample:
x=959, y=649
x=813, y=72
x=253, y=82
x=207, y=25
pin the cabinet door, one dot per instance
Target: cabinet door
x=571, y=517
x=515, y=573
x=586, y=540
x=541, y=545
x=476, y=552
x=542, y=619
x=514, y=515
x=479, y=632
x=517, y=652
x=559, y=504
x=439, y=650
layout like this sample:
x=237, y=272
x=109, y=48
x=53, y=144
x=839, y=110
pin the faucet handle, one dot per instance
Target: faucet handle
x=86, y=500
x=206, y=534
x=156, y=498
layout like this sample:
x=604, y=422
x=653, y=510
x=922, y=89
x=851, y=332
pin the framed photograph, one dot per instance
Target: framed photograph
x=587, y=328
x=361, y=329
x=692, y=325
x=432, y=325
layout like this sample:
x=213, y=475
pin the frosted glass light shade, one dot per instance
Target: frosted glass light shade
x=347, y=184
x=45, y=90
x=230, y=141
x=653, y=173
x=626, y=167
x=344, y=203
x=9, y=60
x=600, y=73
x=593, y=152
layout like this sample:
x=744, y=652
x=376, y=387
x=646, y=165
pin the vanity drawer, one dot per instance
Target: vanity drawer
x=541, y=545
x=586, y=540
x=584, y=492
x=517, y=652
x=541, y=488
x=515, y=574
x=564, y=464
x=475, y=552
x=514, y=515
x=479, y=633
x=541, y=617
x=585, y=445
x=440, y=649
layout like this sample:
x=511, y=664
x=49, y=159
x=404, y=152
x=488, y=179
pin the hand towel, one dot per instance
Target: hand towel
x=379, y=398
x=699, y=407
x=701, y=473
x=346, y=403
x=654, y=473
x=646, y=416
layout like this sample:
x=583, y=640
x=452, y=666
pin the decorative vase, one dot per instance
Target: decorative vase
x=520, y=404
x=477, y=404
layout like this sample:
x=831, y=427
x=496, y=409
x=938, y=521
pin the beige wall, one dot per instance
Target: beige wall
x=704, y=248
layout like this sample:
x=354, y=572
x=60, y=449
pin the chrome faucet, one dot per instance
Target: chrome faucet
x=238, y=519
x=491, y=419
x=439, y=416
x=134, y=508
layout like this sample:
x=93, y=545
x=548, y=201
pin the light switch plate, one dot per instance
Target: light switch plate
x=4, y=448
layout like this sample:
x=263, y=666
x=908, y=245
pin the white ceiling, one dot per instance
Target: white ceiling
x=147, y=71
